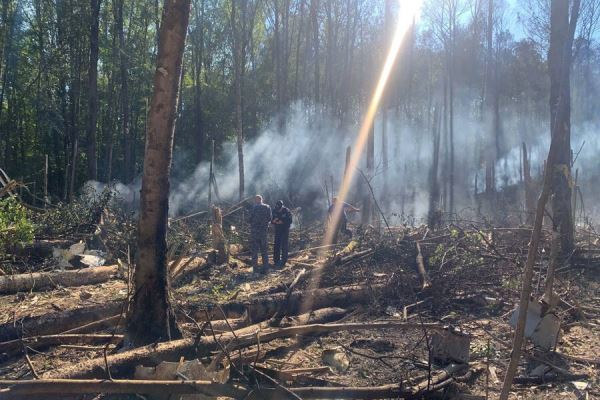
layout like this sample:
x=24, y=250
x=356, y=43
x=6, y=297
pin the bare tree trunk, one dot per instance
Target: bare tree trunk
x=314, y=17
x=528, y=187
x=561, y=34
x=93, y=91
x=127, y=148
x=151, y=317
x=559, y=65
x=367, y=211
x=238, y=66
x=434, y=186
x=198, y=54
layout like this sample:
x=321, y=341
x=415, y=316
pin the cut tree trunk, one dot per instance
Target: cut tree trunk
x=50, y=280
x=122, y=364
x=151, y=317
x=59, y=322
x=25, y=389
x=262, y=308
x=15, y=347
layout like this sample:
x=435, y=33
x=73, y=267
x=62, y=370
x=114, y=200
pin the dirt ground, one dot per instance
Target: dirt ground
x=474, y=274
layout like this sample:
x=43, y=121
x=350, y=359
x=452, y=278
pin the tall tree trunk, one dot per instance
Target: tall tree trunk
x=151, y=317
x=434, y=187
x=93, y=91
x=559, y=66
x=198, y=55
x=451, y=68
x=559, y=61
x=239, y=60
x=314, y=17
x=367, y=210
x=127, y=148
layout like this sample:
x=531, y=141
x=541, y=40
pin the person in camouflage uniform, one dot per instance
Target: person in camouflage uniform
x=260, y=217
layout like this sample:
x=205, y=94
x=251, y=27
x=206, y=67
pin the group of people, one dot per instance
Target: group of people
x=261, y=216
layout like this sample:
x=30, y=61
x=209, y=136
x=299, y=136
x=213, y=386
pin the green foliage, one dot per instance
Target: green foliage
x=15, y=227
x=79, y=216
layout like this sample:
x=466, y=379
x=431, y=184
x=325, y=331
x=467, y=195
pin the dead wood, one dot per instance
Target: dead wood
x=50, y=280
x=547, y=378
x=23, y=388
x=425, y=282
x=58, y=322
x=281, y=312
x=20, y=389
x=400, y=390
x=298, y=302
x=121, y=364
x=14, y=347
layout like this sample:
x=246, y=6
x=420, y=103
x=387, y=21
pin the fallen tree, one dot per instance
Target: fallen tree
x=22, y=389
x=14, y=347
x=49, y=280
x=58, y=322
x=296, y=302
x=122, y=364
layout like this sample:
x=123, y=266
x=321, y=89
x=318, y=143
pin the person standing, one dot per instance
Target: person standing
x=342, y=225
x=282, y=220
x=260, y=216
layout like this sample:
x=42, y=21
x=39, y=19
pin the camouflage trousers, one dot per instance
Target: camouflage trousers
x=258, y=243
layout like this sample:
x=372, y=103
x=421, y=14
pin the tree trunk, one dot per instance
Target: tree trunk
x=367, y=212
x=314, y=17
x=198, y=53
x=238, y=66
x=151, y=317
x=434, y=187
x=93, y=91
x=559, y=56
x=127, y=167
x=559, y=65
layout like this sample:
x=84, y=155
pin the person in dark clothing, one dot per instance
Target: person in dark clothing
x=342, y=225
x=282, y=219
x=260, y=216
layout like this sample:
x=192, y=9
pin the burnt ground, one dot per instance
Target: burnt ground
x=474, y=271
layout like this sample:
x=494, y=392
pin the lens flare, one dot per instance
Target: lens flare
x=409, y=11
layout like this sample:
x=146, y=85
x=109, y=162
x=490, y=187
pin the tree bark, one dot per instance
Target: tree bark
x=239, y=60
x=314, y=17
x=48, y=280
x=128, y=172
x=198, y=55
x=560, y=31
x=93, y=91
x=151, y=317
x=559, y=66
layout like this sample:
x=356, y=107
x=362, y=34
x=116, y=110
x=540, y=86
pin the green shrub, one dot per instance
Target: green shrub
x=15, y=227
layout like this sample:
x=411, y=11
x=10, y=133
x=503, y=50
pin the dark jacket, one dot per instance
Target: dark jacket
x=284, y=215
x=260, y=216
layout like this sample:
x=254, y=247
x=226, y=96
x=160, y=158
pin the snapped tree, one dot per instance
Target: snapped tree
x=151, y=317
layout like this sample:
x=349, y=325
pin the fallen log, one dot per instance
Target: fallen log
x=49, y=280
x=58, y=322
x=20, y=389
x=298, y=302
x=14, y=347
x=26, y=389
x=122, y=364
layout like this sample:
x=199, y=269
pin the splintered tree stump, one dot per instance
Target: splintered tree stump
x=220, y=245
